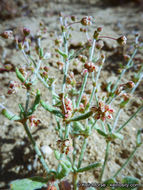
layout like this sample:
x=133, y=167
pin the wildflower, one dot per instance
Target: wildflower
x=23, y=71
x=65, y=146
x=58, y=41
x=81, y=108
x=33, y=121
x=68, y=107
x=122, y=40
x=126, y=98
x=99, y=29
x=123, y=87
x=71, y=79
x=130, y=84
x=82, y=58
x=13, y=87
x=102, y=112
x=60, y=64
x=86, y=21
x=46, y=68
x=99, y=45
x=84, y=100
x=90, y=66
x=26, y=31
x=73, y=18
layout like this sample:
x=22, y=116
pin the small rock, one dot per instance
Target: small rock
x=46, y=150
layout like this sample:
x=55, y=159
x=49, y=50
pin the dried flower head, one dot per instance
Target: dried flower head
x=86, y=21
x=90, y=66
x=102, y=112
x=122, y=40
x=7, y=34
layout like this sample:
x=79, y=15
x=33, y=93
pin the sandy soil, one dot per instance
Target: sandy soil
x=16, y=154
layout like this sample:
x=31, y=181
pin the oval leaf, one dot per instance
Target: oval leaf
x=29, y=183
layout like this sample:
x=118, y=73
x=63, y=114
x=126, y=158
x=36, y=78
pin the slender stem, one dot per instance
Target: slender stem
x=37, y=150
x=74, y=151
x=121, y=75
x=92, y=50
x=82, y=152
x=36, y=71
x=86, y=75
x=137, y=84
x=26, y=57
x=116, y=119
x=126, y=162
x=124, y=70
x=75, y=180
x=92, y=94
x=138, y=110
x=93, y=125
x=65, y=76
x=95, y=87
x=107, y=37
x=73, y=23
x=105, y=160
x=67, y=130
x=82, y=89
x=27, y=100
x=103, y=126
x=57, y=120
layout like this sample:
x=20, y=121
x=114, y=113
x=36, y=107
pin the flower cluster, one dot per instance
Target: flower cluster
x=86, y=21
x=71, y=79
x=33, y=121
x=83, y=104
x=65, y=146
x=102, y=112
x=90, y=66
x=123, y=87
x=68, y=107
x=13, y=87
x=60, y=64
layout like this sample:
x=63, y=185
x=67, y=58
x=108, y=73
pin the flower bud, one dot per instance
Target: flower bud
x=84, y=21
x=99, y=45
x=99, y=29
x=126, y=57
x=96, y=35
x=46, y=68
x=73, y=18
x=26, y=31
x=89, y=44
x=122, y=40
x=130, y=84
x=63, y=28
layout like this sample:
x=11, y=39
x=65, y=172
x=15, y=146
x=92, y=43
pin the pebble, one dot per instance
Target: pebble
x=46, y=150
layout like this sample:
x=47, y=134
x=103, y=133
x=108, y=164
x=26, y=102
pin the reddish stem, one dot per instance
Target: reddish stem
x=107, y=37
x=72, y=23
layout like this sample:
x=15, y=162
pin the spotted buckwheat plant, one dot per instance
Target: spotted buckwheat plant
x=78, y=110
